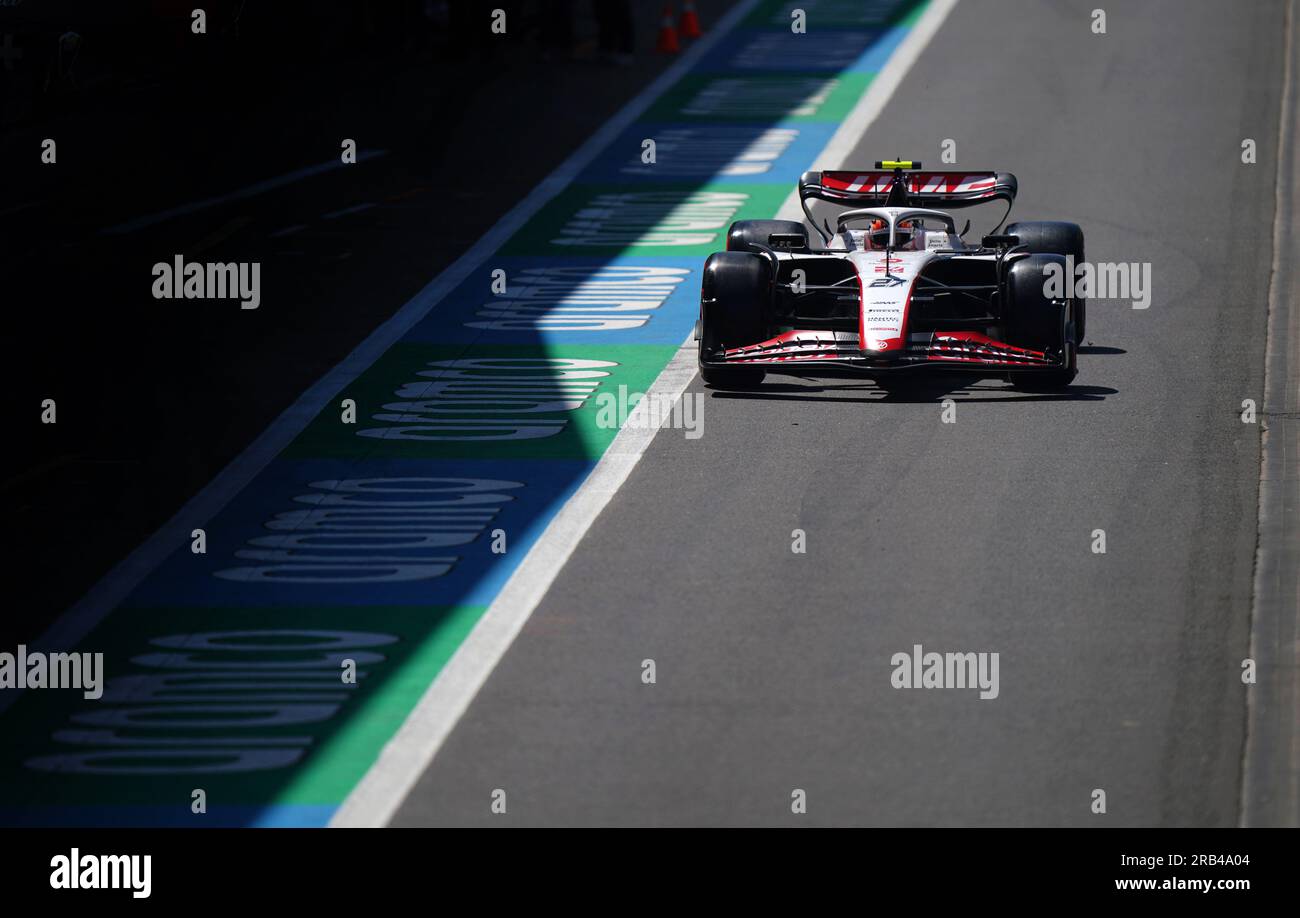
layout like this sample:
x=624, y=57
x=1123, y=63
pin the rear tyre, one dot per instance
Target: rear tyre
x=1055, y=237
x=784, y=235
x=1036, y=321
x=734, y=301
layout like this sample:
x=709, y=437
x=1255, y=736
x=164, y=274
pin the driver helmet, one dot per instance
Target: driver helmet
x=879, y=234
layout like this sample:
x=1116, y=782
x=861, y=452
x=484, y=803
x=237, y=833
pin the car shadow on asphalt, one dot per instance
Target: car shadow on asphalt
x=923, y=392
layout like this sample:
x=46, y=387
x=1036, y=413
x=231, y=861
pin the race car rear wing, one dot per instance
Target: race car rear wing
x=899, y=188
x=904, y=184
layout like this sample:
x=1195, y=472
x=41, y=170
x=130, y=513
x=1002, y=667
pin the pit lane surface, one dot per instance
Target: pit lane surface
x=1118, y=671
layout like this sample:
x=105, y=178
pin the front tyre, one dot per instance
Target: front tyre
x=1050, y=380
x=1036, y=321
x=734, y=304
x=1055, y=237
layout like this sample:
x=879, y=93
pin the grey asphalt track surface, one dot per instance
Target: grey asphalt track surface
x=1118, y=671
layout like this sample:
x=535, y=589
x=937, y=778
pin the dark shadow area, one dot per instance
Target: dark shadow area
x=155, y=397
x=921, y=393
x=453, y=126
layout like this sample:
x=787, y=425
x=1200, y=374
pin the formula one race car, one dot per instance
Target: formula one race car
x=894, y=289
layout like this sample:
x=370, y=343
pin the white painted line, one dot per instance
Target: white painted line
x=118, y=583
x=375, y=800
x=250, y=191
x=406, y=756
x=1270, y=772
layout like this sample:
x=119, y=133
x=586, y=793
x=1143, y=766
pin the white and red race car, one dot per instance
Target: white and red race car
x=894, y=289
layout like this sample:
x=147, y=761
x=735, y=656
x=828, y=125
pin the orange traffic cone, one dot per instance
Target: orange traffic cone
x=667, y=43
x=689, y=27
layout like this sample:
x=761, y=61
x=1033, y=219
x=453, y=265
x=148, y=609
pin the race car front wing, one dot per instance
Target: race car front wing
x=839, y=352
